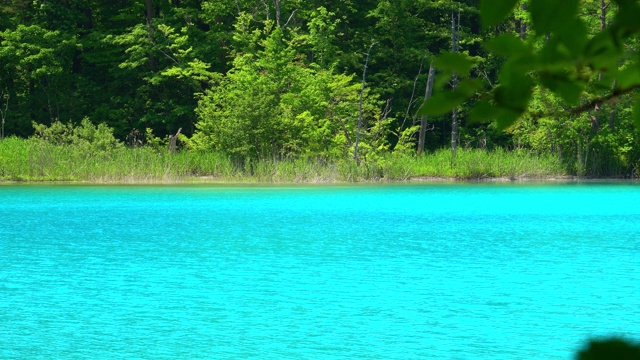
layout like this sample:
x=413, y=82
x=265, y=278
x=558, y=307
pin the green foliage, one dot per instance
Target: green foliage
x=33, y=67
x=610, y=349
x=86, y=136
x=558, y=89
x=560, y=55
x=153, y=141
x=586, y=142
x=273, y=103
x=262, y=81
x=494, y=12
x=322, y=37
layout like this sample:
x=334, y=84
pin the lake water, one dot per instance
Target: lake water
x=312, y=272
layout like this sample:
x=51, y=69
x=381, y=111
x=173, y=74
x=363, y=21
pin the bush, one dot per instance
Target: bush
x=86, y=136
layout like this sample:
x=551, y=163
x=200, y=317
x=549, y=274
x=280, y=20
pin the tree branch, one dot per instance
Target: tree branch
x=603, y=99
x=290, y=17
x=486, y=76
x=411, y=100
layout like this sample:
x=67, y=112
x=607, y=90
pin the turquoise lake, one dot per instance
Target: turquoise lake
x=460, y=271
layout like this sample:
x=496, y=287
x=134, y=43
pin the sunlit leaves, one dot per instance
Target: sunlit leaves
x=35, y=52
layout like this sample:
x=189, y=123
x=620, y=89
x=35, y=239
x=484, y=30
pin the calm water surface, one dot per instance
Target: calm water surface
x=366, y=272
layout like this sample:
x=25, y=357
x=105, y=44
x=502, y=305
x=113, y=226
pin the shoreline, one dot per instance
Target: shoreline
x=211, y=180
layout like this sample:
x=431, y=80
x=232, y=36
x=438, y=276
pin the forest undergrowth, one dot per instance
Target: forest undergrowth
x=38, y=160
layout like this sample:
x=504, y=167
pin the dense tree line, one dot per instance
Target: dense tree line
x=282, y=78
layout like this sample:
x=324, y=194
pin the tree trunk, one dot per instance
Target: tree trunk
x=149, y=6
x=172, y=141
x=603, y=25
x=595, y=125
x=364, y=82
x=276, y=4
x=423, y=120
x=603, y=14
x=455, y=39
x=523, y=25
x=3, y=114
x=612, y=116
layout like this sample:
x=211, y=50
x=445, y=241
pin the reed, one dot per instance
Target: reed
x=37, y=160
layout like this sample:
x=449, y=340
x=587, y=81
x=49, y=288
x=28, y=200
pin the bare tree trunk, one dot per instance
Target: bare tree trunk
x=603, y=14
x=149, y=7
x=412, y=101
x=595, y=123
x=523, y=25
x=455, y=38
x=4, y=113
x=612, y=116
x=603, y=25
x=172, y=141
x=603, y=22
x=276, y=4
x=364, y=82
x=423, y=120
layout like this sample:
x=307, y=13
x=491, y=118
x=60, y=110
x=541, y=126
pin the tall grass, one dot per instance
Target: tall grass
x=37, y=160
x=476, y=164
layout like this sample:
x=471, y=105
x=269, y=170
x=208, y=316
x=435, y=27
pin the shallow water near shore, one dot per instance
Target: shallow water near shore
x=456, y=271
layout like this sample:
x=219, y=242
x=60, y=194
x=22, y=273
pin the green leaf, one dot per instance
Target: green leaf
x=624, y=3
x=457, y=63
x=508, y=45
x=443, y=102
x=627, y=15
x=569, y=90
x=506, y=118
x=485, y=110
x=574, y=37
x=628, y=77
x=603, y=42
x=603, y=50
x=482, y=111
x=493, y=12
x=516, y=95
x=550, y=16
x=609, y=349
x=515, y=70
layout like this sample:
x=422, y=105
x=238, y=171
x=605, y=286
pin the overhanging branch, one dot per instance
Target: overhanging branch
x=603, y=99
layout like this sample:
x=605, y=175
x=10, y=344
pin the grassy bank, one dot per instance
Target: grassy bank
x=37, y=160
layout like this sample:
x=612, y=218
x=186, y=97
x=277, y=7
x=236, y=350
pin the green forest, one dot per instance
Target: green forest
x=212, y=88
